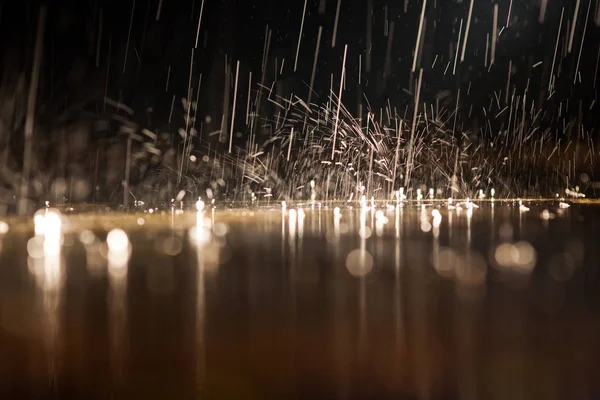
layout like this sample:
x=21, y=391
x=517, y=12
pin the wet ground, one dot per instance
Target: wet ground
x=494, y=302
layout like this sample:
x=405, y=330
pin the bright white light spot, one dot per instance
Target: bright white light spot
x=437, y=218
x=193, y=158
x=141, y=221
x=199, y=236
x=117, y=241
x=199, y=205
x=425, y=226
x=3, y=228
x=337, y=214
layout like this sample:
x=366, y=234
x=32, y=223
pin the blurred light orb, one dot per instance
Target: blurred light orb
x=220, y=229
x=561, y=267
x=425, y=226
x=3, y=228
x=35, y=247
x=117, y=241
x=471, y=270
x=87, y=237
x=585, y=178
x=47, y=222
x=171, y=245
x=447, y=261
x=359, y=262
x=520, y=257
x=365, y=232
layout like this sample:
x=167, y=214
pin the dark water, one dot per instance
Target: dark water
x=492, y=304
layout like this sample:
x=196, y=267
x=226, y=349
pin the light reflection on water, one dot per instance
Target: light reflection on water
x=328, y=301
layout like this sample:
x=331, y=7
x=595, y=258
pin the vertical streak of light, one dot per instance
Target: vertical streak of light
x=200, y=303
x=300, y=35
x=290, y=144
x=199, y=22
x=187, y=118
x=571, y=36
x=508, y=82
x=339, y=100
x=397, y=288
x=412, y=130
x=118, y=259
x=168, y=78
x=359, y=72
x=464, y=48
x=587, y=17
x=237, y=72
x=335, y=23
x=117, y=322
x=249, y=94
x=362, y=307
x=31, y=100
x=388, y=54
x=158, y=10
x=414, y=66
x=494, y=35
x=508, y=15
x=562, y=13
x=265, y=48
x=314, y=68
x=543, y=8
x=171, y=112
x=127, y=172
x=457, y=47
x=128, y=36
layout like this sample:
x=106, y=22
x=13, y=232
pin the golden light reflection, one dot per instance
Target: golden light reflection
x=118, y=252
x=46, y=265
x=44, y=250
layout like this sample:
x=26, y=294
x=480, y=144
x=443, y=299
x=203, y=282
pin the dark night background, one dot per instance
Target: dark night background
x=235, y=30
x=127, y=50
